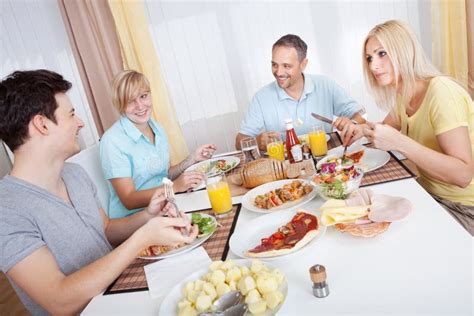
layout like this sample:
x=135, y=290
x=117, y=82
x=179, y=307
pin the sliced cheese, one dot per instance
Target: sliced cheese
x=346, y=214
x=331, y=203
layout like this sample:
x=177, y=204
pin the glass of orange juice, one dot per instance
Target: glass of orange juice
x=317, y=141
x=275, y=148
x=219, y=195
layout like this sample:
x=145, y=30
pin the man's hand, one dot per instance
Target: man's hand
x=203, y=152
x=263, y=139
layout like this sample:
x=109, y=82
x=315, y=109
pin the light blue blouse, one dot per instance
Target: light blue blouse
x=126, y=153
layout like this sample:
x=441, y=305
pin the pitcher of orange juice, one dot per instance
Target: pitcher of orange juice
x=219, y=195
x=317, y=141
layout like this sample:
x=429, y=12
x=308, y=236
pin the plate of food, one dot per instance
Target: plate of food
x=264, y=288
x=212, y=167
x=364, y=213
x=368, y=159
x=207, y=226
x=278, y=195
x=277, y=234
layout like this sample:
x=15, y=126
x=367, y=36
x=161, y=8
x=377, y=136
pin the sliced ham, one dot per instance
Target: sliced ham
x=360, y=197
x=387, y=208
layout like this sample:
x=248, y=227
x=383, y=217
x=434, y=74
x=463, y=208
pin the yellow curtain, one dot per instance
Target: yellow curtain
x=138, y=53
x=449, y=38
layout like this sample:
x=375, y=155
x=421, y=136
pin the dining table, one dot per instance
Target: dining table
x=420, y=265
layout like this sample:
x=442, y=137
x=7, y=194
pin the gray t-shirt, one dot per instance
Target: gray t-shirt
x=31, y=217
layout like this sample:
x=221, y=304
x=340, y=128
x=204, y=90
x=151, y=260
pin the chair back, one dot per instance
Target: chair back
x=89, y=159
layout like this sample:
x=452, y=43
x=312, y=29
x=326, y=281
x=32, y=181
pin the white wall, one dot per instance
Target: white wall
x=216, y=55
x=33, y=37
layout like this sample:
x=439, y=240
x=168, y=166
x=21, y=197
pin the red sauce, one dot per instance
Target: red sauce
x=299, y=225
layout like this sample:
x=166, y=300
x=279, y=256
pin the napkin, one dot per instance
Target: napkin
x=163, y=275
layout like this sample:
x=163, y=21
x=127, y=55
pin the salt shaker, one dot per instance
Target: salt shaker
x=318, y=276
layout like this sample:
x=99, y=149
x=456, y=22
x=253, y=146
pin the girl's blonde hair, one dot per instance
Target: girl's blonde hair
x=408, y=60
x=126, y=87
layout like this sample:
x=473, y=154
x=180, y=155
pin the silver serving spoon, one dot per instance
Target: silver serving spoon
x=231, y=302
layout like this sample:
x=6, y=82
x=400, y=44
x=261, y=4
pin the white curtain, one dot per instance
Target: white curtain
x=216, y=55
x=33, y=37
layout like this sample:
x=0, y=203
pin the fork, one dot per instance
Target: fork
x=169, y=194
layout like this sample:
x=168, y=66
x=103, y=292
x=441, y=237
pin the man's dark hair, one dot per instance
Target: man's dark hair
x=294, y=41
x=24, y=94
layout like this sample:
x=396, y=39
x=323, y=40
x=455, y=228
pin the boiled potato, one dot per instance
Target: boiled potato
x=233, y=285
x=278, y=275
x=189, y=286
x=192, y=295
x=233, y=274
x=215, y=265
x=203, y=302
x=244, y=270
x=256, y=266
x=198, y=285
x=217, y=277
x=273, y=299
x=258, y=307
x=210, y=290
x=187, y=311
x=266, y=285
x=246, y=284
x=252, y=296
x=222, y=288
x=227, y=265
x=183, y=303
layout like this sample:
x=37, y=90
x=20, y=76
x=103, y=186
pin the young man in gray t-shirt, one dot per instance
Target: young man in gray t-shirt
x=55, y=239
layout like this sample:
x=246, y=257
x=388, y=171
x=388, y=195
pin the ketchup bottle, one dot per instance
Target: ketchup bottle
x=293, y=146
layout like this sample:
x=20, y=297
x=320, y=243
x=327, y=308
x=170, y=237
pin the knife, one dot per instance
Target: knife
x=321, y=118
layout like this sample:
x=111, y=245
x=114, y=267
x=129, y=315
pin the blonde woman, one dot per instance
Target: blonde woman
x=134, y=152
x=431, y=118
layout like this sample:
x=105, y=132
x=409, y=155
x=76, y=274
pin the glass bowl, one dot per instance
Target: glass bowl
x=338, y=184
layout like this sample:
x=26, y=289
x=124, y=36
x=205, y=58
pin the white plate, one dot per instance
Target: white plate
x=203, y=165
x=305, y=138
x=169, y=306
x=249, y=197
x=371, y=160
x=197, y=242
x=250, y=235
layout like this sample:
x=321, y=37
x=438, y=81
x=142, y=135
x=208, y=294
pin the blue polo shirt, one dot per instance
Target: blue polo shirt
x=126, y=153
x=271, y=105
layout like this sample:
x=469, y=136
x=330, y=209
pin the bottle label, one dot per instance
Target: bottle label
x=297, y=153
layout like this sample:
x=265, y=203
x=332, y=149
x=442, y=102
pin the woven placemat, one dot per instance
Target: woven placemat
x=393, y=170
x=133, y=279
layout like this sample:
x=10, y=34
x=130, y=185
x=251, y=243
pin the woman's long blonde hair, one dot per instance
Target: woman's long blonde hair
x=408, y=60
x=127, y=86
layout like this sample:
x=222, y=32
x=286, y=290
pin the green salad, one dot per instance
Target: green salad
x=207, y=225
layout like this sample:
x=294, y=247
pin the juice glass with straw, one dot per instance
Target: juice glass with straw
x=219, y=195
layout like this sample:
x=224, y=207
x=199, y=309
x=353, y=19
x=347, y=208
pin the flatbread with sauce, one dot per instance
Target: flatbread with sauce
x=289, y=238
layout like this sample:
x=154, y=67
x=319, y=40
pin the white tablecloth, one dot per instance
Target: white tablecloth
x=422, y=265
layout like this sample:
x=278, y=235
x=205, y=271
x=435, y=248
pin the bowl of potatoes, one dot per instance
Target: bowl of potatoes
x=263, y=287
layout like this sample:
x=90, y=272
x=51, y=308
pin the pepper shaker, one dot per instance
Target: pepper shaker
x=318, y=276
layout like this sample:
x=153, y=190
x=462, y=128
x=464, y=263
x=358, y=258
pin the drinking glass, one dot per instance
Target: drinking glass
x=219, y=195
x=250, y=149
x=317, y=141
x=275, y=148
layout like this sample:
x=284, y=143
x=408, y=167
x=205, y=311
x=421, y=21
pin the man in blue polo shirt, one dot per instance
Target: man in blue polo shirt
x=294, y=95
